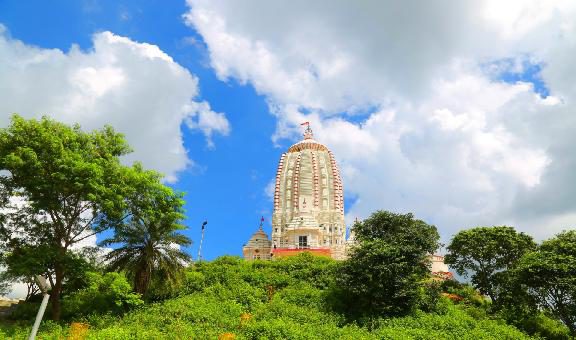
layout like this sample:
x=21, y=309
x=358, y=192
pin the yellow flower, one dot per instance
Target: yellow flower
x=78, y=331
x=227, y=336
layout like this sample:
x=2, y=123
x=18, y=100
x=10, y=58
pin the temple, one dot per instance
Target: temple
x=308, y=205
x=309, y=209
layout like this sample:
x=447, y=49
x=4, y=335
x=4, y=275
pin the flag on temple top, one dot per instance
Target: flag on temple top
x=306, y=123
x=262, y=219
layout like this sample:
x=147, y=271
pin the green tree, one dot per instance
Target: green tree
x=150, y=241
x=69, y=186
x=386, y=270
x=487, y=253
x=549, y=274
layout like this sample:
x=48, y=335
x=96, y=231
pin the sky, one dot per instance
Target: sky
x=461, y=112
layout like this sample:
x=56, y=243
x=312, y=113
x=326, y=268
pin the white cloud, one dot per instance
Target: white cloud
x=135, y=87
x=440, y=135
x=208, y=121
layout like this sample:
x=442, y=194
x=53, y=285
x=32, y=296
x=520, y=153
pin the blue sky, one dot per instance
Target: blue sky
x=226, y=185
x=459, y=113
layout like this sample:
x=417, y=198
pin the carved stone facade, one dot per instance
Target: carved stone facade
x=308, y=202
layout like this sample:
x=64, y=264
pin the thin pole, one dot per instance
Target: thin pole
x=42, y=284
x=201, y=239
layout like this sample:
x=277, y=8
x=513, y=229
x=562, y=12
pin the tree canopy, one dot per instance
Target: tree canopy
x=385, y=271
x=61, y=185
x=486, y=254
x=150, y=241
x=549, y=274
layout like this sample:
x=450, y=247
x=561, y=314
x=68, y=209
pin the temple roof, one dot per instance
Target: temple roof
x=259, y=240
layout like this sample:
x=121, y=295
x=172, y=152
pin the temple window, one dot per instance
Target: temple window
x=302, y=241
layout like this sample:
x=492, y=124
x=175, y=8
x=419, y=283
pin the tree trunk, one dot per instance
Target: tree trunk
x=56, y=292
x=142, y=280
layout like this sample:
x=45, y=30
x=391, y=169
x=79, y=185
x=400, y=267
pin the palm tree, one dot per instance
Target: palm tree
x=149, y=246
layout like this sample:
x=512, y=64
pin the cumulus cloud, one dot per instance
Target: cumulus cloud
x=412, y=98
x=208, y=121
x=135, y=87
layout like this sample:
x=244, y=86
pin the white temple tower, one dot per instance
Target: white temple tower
x=308, y=202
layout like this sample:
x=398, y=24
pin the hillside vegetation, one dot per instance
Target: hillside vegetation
x=285, y=299
x=60, y=185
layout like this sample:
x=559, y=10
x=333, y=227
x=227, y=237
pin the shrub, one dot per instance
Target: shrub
x=541, y=325
x=232, y=296
x=468, y=294
x=108, y=293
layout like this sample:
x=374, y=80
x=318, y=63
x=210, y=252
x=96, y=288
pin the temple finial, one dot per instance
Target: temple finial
x=261, y=223
x=308, y=132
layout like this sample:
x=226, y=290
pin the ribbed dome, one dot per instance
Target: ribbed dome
x=308, y=168
x=308, y=197
x=307, y=144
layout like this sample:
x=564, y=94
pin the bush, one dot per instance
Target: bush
x=541, y=325
x=469, y=294
x=108, y=293
x=283, y=299
x=455, y=324
x=430, y=299
x=21, y=330
x=278, y=274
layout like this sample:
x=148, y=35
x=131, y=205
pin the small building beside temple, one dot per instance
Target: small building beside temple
x=259, y=247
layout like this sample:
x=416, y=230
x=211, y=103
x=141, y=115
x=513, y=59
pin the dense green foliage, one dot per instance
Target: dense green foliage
x=549, y=275
x=283, y=299
x=487, y=254
x=108, y=293
x=531, y=288
x=386, y=272
x=147, y=241
x=60, y=185
x=72, y=182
